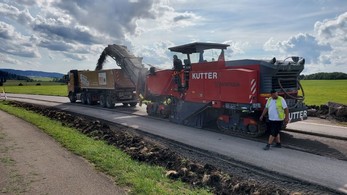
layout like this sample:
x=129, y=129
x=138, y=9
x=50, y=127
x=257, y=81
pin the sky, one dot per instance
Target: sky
x=60, y=35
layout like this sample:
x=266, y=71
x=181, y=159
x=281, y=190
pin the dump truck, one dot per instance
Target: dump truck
x=106, y=87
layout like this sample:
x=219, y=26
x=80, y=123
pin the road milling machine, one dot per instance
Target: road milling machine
x=209, y=91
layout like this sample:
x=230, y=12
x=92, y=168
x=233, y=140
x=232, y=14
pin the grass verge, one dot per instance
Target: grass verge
x=319, y=92
x=140, y=177
x=56, y=90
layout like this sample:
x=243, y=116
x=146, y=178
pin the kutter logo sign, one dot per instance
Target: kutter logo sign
x=205, y=75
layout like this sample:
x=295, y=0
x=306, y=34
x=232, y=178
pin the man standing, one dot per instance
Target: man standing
x=278, y=113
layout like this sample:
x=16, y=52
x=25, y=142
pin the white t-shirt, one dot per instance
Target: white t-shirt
x=273, y=113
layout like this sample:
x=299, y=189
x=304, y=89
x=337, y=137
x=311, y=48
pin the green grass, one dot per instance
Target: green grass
x=56, y=90
x=319, y=92
x=140, y=177
x=33, y=83
x=42, y=78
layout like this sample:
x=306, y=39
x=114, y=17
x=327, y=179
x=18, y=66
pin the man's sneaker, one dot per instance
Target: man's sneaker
x=267, y=147
x=278, y=145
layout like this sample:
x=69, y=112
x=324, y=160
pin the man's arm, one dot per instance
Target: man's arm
x=263, y=114
x=286, y=119
x=286, y=111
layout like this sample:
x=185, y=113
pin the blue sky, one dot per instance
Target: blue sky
x=59, y=35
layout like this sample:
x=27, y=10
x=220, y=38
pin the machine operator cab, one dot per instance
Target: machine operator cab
x=200, y=53
x=196, y=56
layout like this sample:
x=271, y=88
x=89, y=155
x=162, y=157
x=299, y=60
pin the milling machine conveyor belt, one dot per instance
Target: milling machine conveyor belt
x=129, y=63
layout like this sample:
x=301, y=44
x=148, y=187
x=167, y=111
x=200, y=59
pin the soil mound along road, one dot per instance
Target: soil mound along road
x=331, y=110
x=140, y=149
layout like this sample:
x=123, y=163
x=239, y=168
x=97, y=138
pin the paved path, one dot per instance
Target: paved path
x=33, y=163
x=311, y=126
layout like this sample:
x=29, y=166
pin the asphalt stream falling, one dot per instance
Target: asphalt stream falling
x=152, y=152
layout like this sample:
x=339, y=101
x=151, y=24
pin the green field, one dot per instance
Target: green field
x=46, y=88
x=42, y=78
x=317, y=92
x=45, y=81
x=56, y=90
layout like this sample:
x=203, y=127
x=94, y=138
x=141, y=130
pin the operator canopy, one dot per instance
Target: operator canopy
x=197, y=47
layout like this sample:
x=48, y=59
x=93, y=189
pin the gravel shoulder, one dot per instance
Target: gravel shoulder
x=31, y=162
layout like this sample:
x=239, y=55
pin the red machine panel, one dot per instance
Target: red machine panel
x=226, y=85
x=161, y=83
x=202, y=86
x=238, y=85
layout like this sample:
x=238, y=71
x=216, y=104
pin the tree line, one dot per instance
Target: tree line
x=324, y=76
x=4, y=76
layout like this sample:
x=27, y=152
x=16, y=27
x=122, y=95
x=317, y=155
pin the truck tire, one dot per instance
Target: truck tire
x=109, y=102
x=89, y=99
x=72, y=97
x=102, y=100
x=133, y=104
x=83, y=98
x=125, y=104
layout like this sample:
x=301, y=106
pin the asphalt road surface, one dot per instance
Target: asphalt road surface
x=312, y=168
x=33, y=163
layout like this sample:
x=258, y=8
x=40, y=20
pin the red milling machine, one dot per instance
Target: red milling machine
x=210, y=91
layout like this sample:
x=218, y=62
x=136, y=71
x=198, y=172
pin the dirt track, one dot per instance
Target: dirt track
x=31, y=162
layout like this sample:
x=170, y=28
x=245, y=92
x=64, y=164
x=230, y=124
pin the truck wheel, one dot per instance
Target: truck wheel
x=72, y=97
x=89, y=99
x=133, y=104
x=125, y=104
x=102, y=100
x=83, y=98
x=109, y=102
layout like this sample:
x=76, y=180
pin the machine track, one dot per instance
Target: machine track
x=316, y=144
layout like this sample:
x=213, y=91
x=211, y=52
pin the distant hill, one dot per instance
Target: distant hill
x=32, y=73
x=4, y=76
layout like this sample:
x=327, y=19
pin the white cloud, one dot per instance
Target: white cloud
x=303, y=45
x=15, y=43
x=333, y=30
x=114, y=18
x=77, y=57
x=156, y=54
x=7, y=59
x=168, y=19
x=23, y=16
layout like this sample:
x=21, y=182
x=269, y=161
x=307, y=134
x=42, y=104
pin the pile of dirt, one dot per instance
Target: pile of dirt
x=331, y=110
x=139, y=148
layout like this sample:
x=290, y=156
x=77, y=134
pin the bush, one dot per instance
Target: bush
x=324, y=76
x=20, y=84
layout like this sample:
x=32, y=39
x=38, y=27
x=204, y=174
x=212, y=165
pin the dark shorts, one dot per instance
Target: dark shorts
x=275, y=127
